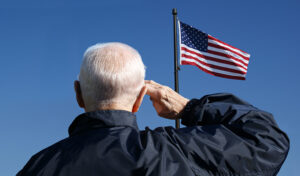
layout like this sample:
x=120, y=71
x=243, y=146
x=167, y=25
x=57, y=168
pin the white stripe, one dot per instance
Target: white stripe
x=215, y=56
x=213, y=69
x=226, y=46
x=215, y=63
x=179, y=41
x=229, y=53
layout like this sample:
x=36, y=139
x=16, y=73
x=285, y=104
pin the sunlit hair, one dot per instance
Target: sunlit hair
x=111, y=73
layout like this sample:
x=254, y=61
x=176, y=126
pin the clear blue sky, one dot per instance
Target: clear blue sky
x=42, y=43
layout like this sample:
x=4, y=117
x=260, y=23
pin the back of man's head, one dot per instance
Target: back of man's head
x=110, y=74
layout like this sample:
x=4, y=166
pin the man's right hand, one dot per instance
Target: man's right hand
x=166, y=101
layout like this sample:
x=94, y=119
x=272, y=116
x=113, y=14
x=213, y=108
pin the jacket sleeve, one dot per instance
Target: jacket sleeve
x=228, y=136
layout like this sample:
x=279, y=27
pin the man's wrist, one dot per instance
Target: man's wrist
x=187, y=114
x=187, y=108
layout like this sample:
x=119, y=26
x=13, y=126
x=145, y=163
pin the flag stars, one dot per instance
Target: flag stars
x=193, y=38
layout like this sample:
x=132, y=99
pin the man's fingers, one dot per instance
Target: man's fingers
x=166, y=101
x=155, y=90
x=152, y=82
x=152, y=88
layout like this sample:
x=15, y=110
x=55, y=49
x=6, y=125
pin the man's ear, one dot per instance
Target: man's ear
x=139, y=100
x=78, y=94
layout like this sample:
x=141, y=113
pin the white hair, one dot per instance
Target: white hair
x=111, y=73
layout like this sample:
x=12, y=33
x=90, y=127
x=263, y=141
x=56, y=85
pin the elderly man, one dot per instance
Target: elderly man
x=223, y=135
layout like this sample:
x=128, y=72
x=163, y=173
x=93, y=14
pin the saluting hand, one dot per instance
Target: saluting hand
x=167, y=102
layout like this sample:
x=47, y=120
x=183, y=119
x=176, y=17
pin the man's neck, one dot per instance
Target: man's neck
x=110, y=107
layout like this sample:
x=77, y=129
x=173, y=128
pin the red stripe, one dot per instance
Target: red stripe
x=212, y=58
x=213, y=38
x=212, y=73
x=227, y=56
x=224, y=48
x=214, y=66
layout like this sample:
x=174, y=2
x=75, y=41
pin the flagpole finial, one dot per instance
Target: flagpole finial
x=174, y=11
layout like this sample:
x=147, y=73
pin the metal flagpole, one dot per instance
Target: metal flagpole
x=176, y=67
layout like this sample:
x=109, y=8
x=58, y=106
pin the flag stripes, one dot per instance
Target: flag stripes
x=219, y=42
x=207, y=70
x=214, y=65
x=207, y=57
x=211, y=55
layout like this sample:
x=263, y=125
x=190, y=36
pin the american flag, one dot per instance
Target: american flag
x=211, y=55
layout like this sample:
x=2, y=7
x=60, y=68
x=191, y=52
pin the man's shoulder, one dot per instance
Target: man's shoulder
x=87, y=143
x=40, y=159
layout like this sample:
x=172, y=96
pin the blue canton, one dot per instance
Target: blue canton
x=193, y=37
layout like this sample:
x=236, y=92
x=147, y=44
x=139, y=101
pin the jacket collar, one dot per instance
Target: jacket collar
x=104, y=119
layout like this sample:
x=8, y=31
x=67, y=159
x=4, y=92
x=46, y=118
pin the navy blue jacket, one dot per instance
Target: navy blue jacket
x=224, y=136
